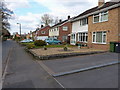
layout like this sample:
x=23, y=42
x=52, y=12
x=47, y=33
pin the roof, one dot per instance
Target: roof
x=107, y=4
x=59, y=23
x=44, y=27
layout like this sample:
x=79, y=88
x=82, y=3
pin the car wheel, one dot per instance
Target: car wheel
x=59, y=43
x=47, y=43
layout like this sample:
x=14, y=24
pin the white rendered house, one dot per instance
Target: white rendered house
x=79, y=31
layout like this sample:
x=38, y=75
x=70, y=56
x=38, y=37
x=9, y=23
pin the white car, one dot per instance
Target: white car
x=26, y=40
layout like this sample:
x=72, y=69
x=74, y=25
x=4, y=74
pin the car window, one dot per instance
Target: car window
x=55, y=39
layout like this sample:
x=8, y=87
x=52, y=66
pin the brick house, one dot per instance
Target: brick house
x=43, y=32
x=98, y=26
x=62, y=30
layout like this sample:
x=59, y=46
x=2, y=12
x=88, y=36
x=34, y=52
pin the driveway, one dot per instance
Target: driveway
x=79, y=62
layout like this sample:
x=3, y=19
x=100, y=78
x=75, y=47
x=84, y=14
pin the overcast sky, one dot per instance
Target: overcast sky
x=29, y=12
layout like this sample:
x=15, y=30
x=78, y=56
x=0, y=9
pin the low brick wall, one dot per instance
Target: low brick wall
x=62, y=55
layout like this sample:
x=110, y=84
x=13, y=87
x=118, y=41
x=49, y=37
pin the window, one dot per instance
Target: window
x=104, y=16
x=83, y=21
x=83, y=37
x=73, y=38
x=42, y=32
x=99, y=37
x=96, y=18
x=65, y=28
x=64, y=38
x=101, y=17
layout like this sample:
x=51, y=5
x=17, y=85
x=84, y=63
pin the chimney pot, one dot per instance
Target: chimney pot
x=60, y=20
x=101, y=2
x=69, y=17
x=41, y=26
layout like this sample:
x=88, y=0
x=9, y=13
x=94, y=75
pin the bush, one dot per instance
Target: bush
x=4, y=38
x=40, y=43
x=30, y=46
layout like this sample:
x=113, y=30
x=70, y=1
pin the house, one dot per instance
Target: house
x=62, y=30
x=43, y=32
x=28, y=36
x=97, y=26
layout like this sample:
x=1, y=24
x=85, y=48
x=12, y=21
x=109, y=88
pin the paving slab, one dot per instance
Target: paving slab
x=80, y=62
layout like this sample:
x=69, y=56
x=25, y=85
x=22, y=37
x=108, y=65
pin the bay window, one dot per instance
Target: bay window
x=83, y=37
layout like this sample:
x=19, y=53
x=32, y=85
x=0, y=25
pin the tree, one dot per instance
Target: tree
x=46, y=19
x=5, y=15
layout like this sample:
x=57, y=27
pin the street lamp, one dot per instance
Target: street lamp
x=20, y=28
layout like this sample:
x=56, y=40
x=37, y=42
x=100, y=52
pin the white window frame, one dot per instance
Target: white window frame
x=94, y=33
x=81, y=34
x=100, y=17
x=81, y=22
x=65, y=28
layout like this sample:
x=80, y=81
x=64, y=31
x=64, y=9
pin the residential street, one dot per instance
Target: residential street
x=24, y=72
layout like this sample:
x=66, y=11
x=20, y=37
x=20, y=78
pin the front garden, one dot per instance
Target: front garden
x=33, y=45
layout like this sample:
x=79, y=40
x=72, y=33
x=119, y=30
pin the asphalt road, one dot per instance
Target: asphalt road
x=24, y=72
x=6, y=46
x=106, y=77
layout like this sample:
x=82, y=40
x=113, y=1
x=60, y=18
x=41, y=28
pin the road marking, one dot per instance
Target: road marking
x=50, y=72
x=4, y=72
x=85, y=69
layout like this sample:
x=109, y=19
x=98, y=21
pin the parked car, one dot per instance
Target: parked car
x=26, y=41
x=52, y=41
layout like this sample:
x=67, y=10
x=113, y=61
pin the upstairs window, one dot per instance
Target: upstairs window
x=42, y=32
x=83, y=21
x=100, y=17
x=104, y=16
x=65, y=28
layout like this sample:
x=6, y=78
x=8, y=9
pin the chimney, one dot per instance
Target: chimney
x=101, y=2
x=60, y=20
x=41, y=26
x=69, y=17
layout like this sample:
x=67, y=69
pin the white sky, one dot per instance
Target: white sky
x=29, y=12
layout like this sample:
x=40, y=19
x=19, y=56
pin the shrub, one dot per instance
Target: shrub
x=4, y=38
x=40, y=43
x=65, y=48
x=30, y=46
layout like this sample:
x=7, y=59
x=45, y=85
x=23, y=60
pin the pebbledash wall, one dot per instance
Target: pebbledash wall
x=110, y=27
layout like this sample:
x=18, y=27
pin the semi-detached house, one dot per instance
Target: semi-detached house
x=43, y=32
x=97, y=26
x=62, y=30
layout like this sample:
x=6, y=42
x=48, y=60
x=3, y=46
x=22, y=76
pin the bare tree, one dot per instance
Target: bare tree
x=56, y=20
x=46, y=19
